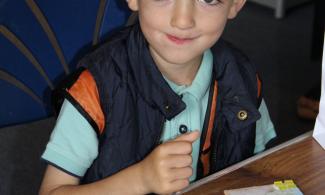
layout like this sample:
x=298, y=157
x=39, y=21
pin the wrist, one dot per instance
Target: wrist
x=140, y=177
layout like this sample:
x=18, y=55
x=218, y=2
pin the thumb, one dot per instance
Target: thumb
x=189, y=137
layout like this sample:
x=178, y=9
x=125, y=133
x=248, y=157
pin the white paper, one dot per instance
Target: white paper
x=256, y=190
x=319, y=131
x=264, y=190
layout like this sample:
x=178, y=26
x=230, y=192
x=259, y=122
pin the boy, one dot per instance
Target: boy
x=169, y=104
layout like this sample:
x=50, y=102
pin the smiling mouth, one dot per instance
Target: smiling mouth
x=178, y=40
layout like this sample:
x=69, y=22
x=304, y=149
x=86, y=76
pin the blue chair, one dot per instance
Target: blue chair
x=41, y=42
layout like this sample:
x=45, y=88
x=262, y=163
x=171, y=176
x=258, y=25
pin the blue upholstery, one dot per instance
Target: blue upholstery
x=40, y=42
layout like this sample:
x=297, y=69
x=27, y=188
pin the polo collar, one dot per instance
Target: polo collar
x=201, y=82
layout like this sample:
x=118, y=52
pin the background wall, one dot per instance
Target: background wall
x=40, y=42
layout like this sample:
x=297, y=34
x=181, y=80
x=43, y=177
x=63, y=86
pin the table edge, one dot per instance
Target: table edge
x=245, y=162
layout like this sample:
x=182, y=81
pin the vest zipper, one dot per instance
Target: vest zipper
x=200, y=173
x=157, y=142
x=213, y=157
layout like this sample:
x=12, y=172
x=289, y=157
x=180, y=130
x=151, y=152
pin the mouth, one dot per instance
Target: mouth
x=179, y=40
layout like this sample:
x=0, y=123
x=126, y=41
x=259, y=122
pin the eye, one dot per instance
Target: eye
x=210, y=2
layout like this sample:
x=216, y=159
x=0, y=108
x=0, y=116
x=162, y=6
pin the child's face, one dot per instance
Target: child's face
x=179, y=31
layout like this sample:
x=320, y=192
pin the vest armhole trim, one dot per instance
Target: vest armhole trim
x=83, y=94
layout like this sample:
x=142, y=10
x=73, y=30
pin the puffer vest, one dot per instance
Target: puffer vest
x=135, y=102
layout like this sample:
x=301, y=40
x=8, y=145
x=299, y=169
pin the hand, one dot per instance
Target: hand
x=168, y=168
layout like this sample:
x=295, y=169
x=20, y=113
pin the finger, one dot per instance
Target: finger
x=179, y=161
x=181, y=173
x=189, y=137
x=176, y=147
x=180, y=184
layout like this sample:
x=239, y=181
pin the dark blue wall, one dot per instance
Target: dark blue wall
x=40, y=42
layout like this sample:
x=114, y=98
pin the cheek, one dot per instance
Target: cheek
x=211, y=21
x=213, y=33
x=150, y=22
x=149, y=29
x=214, y=27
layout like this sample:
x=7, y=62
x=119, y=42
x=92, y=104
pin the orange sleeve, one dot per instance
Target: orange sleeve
x=84, y=91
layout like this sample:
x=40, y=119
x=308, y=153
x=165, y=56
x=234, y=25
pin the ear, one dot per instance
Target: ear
x=235, y=8
x=133, y=5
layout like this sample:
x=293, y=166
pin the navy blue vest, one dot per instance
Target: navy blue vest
x=136, y=101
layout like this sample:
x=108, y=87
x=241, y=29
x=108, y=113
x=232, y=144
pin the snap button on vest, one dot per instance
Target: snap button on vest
x=183, y=129
x=242, y=115
x=236, y=99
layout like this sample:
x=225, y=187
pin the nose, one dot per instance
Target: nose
x=183, y=14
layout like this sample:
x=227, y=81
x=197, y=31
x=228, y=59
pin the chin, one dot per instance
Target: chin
x=180, y=58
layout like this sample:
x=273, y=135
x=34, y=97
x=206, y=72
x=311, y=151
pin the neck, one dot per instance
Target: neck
x=180, y=74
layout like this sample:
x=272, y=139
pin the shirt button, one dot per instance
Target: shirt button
x=183, y=129
x=242, y=115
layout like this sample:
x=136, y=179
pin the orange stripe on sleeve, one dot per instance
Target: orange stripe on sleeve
x=85, y=92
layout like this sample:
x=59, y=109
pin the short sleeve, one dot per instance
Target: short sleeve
x=264, y=129
x=73, y=144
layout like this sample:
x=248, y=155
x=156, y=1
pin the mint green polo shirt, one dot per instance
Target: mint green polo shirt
x=75, y=154
x=196, y=98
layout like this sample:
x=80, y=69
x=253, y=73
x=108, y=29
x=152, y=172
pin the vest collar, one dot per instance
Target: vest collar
x=232, y=91
x=150, y=82
x=155, y=90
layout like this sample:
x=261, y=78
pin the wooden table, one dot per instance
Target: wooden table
x=301, y=159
